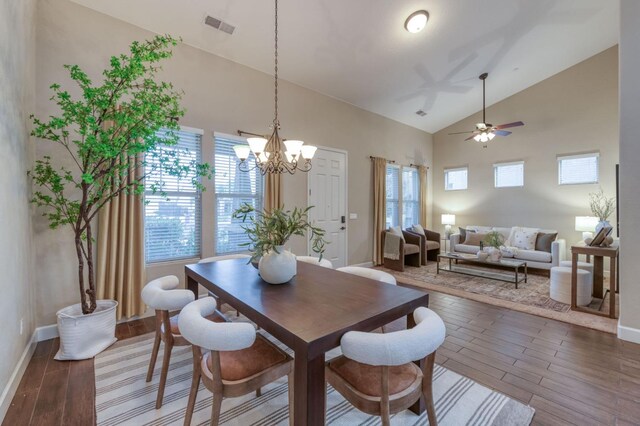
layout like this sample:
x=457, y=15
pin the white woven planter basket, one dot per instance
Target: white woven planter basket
x=85, y=336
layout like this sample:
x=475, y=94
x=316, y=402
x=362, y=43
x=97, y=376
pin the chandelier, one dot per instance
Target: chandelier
x=274, y=154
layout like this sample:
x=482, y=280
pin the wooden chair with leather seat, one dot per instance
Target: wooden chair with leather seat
x=411, y=249
x=162, y=295
x=231, y=358
x=377, y=373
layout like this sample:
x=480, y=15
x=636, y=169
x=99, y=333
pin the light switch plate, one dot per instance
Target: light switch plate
x=353, y=215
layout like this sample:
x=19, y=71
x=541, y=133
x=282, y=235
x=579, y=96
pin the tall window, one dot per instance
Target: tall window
x=455, y=179
x=172, y=223
x=402, y=196
x=508, y=174
x=574, y=169
x=233, y=188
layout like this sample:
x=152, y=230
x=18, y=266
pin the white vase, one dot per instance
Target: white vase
x=601, y=225
x=277, y=266
x=495, y=255
x=482, y=255
x=84, y=336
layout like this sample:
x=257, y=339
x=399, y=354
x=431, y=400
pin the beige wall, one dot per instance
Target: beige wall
x=223, y=96
x=573, y=111
x=17, y=49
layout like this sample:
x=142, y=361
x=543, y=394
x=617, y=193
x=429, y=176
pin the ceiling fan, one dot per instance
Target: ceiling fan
x=484, y=131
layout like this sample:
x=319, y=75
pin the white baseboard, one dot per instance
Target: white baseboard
x=12, y=385
x=629, y=334
x=46, y=332
x=364, y=265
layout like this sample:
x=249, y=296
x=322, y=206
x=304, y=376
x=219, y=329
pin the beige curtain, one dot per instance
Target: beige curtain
x=422, y=173
x=121, y=265
x=272, y=191
x=379, y=205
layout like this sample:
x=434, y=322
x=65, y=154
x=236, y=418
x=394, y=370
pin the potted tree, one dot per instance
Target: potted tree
x=269, y=231
x=111, y=135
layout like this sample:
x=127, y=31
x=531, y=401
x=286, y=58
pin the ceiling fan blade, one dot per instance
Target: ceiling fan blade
x=506, y=126
x=502, y=132
x=470, y=137
x=461, y=133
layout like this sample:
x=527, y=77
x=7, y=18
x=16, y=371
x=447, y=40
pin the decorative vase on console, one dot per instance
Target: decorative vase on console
x=495, y=240
x=602, y=207
x=269, y=231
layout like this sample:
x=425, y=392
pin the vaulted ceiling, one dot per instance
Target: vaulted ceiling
x=359, y=52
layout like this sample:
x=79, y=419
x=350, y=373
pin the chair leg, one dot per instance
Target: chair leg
x=384, y=399
x=258, y=393
x=291, y=396
x=195, y=384
x=216, y=407
x=163, y=374
x=427, y=389
x=154, y=356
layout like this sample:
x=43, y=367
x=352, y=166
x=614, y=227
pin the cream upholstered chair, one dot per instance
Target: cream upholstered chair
x=162, y=295
x=325, y=263
x=376, y=372
x=374, y=274
x=231, y=359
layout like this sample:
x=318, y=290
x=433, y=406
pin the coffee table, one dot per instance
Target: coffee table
x=509, y=264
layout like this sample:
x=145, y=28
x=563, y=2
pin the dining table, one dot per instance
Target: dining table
x=309, y=314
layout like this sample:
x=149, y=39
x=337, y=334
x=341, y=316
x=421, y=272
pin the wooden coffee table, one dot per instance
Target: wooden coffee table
x=514, y=265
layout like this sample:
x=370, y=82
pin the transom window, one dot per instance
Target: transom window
x=576, y=169
x=455, y=179
x=508, y=174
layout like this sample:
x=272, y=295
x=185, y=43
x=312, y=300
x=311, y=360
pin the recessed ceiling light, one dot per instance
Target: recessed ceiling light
x=416, y=21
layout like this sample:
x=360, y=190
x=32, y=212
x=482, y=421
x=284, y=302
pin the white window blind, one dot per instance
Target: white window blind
x=410, y=197
x=392, y=193
x=508, y=174
x=455, y=179
x=172, y=223
x=576, y=169
x=233, y=188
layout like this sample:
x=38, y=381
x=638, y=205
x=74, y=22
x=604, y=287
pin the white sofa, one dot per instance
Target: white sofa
x=534, y=258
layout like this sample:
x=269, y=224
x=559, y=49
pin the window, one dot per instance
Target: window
x=233, y=188
x=410, y=197
x=392, y=192
x=574, y=169
x=508, y=174
x=455, y=179
x=172, y=223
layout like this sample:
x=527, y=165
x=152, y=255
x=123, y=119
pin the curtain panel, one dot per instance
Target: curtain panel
x=379, y=205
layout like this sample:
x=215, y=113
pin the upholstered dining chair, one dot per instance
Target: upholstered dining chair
x=162, y=295
x=385, y=277
x=231, y=359
x=325, y=263
x=376, y=372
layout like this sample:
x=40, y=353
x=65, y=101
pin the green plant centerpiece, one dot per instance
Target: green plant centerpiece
x=269, y=231
x=111, y=137
x=602, y=207
x=494, y=240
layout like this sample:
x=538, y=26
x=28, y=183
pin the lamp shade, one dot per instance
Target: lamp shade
x=586, y=223
x=257, y=144
x=448, y=219
x=242, y=151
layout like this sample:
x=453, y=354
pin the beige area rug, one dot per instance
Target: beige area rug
x=531, y=297
x=124, y=398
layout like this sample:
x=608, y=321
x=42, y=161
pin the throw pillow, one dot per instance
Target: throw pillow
x=397, y=231
x=418, y=229
x=474, y=238
x=543, y=241
x=524, y=239
x=463, y=234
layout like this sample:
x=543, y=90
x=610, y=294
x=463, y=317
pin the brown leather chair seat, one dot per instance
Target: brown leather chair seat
x=173, y=321
x=238, y=365
x=367, y=379
x=411, y=249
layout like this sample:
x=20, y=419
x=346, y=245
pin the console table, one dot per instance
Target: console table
x=598, y=253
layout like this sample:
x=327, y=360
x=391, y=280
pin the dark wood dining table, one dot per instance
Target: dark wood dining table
x=310, y=314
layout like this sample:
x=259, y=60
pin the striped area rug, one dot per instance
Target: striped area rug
x=124, y=398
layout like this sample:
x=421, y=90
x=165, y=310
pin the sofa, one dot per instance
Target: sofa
x=537, y=258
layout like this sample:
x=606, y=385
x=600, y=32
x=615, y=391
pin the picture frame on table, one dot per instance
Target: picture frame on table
x=600, y=236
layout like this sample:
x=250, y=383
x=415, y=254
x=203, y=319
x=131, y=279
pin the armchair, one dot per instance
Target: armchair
x=430, y=244
x=410, y=251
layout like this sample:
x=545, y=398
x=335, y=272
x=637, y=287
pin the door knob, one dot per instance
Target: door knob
x=342, y=228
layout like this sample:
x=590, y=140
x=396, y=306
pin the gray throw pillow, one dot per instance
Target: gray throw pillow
x=543, y=241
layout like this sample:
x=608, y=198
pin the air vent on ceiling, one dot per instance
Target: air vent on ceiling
x=421, y=113
x=218, y=24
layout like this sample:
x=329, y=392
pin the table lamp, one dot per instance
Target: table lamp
x=586, y=224
x=447, y=221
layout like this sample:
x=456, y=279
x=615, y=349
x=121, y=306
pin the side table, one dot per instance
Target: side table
x=598, y=253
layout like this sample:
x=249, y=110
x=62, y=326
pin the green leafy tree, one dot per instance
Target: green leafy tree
x=111, y=133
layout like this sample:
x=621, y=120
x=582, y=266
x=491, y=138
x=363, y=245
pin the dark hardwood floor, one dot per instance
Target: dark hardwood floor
x=569, y=374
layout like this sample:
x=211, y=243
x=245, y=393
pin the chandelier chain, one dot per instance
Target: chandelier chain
x=276, y=124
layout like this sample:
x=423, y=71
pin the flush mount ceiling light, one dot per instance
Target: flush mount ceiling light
x=416, y=21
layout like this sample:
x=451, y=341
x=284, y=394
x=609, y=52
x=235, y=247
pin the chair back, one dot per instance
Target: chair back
x=161, y=294
x=398, y=347
x=373, y=274
x=213, y=336
x=325, y=263
x=225, y=257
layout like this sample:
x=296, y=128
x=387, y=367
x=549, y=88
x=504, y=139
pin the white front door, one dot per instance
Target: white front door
x=328, y=195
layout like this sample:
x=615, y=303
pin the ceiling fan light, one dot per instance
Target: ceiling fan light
x=416, y=21
x=491, y=135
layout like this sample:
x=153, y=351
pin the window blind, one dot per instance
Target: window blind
x=233, y=188
x=392, y=193
x=508, y=174
x=172, y=223
x=410, y=197
x=455, y=179
x=577, y=169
